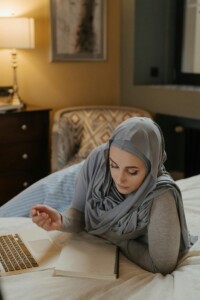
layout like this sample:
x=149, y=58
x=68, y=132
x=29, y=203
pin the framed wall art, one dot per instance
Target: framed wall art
x=78, y=30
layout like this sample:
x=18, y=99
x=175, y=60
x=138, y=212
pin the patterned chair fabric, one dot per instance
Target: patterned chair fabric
x=78, y=130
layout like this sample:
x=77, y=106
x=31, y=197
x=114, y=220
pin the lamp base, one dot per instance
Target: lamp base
x=15, y=100
x=15, y=96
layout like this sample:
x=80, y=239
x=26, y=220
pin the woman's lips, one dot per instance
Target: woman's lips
x=122, y=187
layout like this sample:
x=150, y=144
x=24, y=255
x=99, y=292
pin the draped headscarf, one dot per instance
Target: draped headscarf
x=128, y=215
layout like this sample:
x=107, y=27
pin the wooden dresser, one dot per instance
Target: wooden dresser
x=24, y=149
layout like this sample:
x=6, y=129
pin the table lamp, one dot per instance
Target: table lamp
x=16, y=33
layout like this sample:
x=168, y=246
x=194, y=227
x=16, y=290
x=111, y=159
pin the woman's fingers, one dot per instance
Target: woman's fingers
x=37, y=209
x=40, y=219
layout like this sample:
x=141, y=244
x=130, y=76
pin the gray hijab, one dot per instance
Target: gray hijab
x=128, y=215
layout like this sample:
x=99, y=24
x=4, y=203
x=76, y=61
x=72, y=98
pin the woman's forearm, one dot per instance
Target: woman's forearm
x=138, y=253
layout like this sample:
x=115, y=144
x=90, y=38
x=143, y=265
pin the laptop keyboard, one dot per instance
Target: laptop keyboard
x=14, y=255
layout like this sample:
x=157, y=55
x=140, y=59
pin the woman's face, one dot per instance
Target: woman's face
x=127, y=170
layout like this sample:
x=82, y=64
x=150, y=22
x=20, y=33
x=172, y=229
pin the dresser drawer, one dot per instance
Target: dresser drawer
x=13, y=183
x=23, y=126
x=24, y=149
x=23, y=156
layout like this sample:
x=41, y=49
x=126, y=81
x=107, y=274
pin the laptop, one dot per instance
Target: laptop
x=27, y=250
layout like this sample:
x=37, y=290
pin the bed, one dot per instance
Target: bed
x=133, y=282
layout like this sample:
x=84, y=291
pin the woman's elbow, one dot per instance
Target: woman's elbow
x=165, y=267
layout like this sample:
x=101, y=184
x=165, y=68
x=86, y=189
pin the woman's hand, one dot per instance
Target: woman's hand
x=46, y=217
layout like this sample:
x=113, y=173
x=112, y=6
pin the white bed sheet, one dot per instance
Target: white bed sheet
x=133, y=283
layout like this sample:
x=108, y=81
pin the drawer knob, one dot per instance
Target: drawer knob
x=24, y=127
x=25, y=156
x=179, y=129
x=25, y=184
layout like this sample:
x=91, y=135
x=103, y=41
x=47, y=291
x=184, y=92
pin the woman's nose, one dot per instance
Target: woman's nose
x=120, y=177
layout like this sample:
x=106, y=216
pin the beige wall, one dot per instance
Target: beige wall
x=164, y=100
x=62, y=84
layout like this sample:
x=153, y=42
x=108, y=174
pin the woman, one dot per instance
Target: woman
x=124, y=194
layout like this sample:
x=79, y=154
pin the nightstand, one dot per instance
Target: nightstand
x=182, y=143
x=24, y=149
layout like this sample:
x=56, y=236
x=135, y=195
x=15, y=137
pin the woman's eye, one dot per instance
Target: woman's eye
x=133, y=173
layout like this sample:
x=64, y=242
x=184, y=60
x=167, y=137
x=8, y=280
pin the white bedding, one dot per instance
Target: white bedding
x=133, y=283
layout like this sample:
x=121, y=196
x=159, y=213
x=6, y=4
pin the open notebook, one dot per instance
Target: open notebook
x=84, y=255
x=27, y=250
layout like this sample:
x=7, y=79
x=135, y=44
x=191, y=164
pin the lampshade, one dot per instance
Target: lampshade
x=17, y=33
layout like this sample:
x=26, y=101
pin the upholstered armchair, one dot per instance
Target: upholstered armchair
x=78, y=130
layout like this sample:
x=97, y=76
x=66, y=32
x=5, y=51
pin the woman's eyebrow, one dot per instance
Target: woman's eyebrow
x=127, y=167
x=113, y=161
